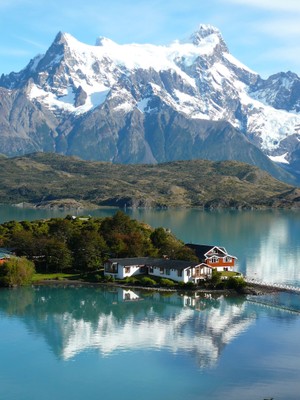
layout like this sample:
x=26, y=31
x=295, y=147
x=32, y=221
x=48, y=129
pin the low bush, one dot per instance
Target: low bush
x=131, y=280
x=16, y=272
x=187, y=285
x=166, y=282
x=98, y=277
x=235, y=283
x=146, y=281
x=108, y=278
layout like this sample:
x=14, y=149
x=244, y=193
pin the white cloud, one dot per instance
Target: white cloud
x=31, y=42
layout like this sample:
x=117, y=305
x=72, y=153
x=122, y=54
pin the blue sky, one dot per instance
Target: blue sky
x=263, y=34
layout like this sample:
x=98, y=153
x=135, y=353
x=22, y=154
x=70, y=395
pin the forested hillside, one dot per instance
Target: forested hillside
x=82, y=244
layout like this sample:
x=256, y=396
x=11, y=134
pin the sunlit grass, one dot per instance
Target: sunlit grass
x=55, y=276
x=230, y=274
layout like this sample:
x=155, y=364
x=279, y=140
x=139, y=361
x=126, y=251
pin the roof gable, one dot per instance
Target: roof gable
x=216, y=251
x=200, y=249
x=206, y=251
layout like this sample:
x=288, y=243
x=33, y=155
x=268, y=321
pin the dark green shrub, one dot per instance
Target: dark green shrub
x=166, y=282
x=189, y=285
x=146, y=281
x=98, y=277
x=235, y=283
x=108, y=278
x=215, y=279
x=131, y=280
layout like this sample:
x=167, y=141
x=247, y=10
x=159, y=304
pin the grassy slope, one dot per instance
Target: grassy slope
x=46, y=177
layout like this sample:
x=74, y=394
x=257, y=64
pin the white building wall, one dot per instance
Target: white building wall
x=206, y=271
x=126, y=272
x=221, y=269
x=173, y=274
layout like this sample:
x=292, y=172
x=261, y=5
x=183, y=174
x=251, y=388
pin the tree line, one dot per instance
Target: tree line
x=83, y=244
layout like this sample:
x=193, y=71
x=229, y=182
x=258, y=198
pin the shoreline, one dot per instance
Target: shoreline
x=77, y=206
x=253, y=289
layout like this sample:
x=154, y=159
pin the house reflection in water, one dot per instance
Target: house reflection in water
x=115, y=319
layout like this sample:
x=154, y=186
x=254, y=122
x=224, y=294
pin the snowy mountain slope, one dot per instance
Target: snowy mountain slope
x=104, y=98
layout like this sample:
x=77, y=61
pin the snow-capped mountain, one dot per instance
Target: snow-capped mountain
x=145, y=103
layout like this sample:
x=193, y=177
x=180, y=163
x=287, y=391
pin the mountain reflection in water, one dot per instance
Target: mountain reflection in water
x=73, y=320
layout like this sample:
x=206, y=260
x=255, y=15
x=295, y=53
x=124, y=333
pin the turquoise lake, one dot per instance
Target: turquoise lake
x=93, y=343
x=266, y=243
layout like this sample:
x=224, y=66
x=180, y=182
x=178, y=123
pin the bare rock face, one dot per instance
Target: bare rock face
x=150, y=104
x=25, y=127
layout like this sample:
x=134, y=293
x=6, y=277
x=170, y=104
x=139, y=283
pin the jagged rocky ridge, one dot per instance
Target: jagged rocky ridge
x=151, y=104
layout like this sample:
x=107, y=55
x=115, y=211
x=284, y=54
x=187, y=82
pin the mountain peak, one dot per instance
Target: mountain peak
x=208, y=34
x=66, y=40
x=60, y=38
x=102, y=41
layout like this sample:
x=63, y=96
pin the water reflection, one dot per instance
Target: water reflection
x=277, y=255
x=73, y=320
x=267, y=243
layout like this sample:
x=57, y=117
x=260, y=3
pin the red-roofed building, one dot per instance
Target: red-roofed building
x=214, y=256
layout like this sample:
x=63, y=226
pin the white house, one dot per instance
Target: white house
x=121, y=268
x=177, y=270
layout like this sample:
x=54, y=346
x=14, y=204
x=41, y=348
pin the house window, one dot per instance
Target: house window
x=227, y=259
x=167, y=271
x=188, y=272
x=127, y=270
x=127, y=296
x=162, y=270
x=151, y=270
x=179, y=272
x=214, y=259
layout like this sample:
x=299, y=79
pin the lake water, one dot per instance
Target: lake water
x=91, y=343
x=267, y=243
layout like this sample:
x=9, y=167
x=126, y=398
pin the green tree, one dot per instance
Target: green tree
x=62, y=229
x=165, y=242
x=185, y=253
x=23, y=243
x=120, y=223
x=54, y=255
x=16, y=272
x=88, y=249
x=215, y=278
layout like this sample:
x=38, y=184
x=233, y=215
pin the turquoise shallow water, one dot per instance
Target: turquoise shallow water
x=79, y=343
x=267, y=243
x=88, y=343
